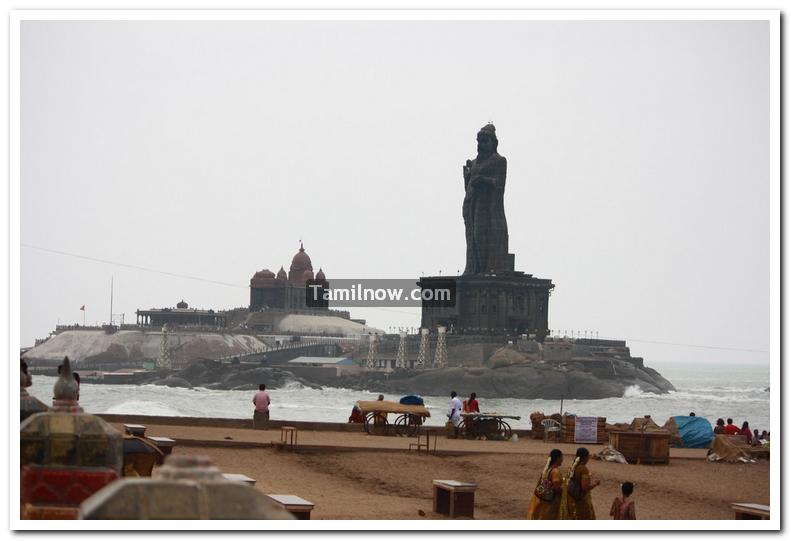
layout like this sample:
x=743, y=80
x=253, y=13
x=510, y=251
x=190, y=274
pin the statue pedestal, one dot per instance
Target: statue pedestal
x=505, y=303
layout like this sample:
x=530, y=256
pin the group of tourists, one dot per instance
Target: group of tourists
x=731, y=429
x=568, y=497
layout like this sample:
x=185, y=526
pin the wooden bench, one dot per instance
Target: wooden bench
x=239, y=478
x=135, y=430
x=424, y=443
x=293, y=504
x=454, y=498
x=750, y=511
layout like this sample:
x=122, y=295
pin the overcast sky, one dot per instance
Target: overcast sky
x=638, y=166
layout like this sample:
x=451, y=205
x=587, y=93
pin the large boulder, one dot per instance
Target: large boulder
x=174, y=381
x=531, y=381
x=505, y=356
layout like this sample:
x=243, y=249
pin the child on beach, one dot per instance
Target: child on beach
x=623, y=506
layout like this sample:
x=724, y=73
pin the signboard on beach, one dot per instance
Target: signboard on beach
x=585, y=430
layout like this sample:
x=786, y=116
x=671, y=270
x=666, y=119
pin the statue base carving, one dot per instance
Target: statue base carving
x=509, y=303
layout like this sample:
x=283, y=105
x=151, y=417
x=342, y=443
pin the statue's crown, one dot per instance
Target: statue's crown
x=489, y=128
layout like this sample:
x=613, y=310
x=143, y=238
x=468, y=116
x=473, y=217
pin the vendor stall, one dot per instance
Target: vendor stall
x=407, y=422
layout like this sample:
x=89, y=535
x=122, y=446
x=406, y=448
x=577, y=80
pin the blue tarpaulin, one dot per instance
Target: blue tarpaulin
x=695, y=431
x=412, y=400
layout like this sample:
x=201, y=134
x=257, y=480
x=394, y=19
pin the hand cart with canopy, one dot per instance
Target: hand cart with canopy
x=407, y=423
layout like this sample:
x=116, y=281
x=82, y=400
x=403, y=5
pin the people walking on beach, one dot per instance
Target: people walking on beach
x=261, y=401
x=731, y=429
x=720, y=428
x=623, y=506
x=746, y=432
x=547, y=496
x=580, y=485
x=454, y=413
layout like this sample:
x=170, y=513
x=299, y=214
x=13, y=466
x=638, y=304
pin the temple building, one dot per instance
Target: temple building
x=281, y=291
x=182, y=315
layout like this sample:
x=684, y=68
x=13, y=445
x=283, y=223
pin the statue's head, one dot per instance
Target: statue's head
x=487, y=141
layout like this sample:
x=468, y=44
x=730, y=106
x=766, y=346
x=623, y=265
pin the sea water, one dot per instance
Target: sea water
x=711, y=391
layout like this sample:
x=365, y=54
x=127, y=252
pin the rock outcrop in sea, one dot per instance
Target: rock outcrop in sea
x=508, y=373
x=494, y=368
x=226, y=376
x=557, y=368
x=528, y=380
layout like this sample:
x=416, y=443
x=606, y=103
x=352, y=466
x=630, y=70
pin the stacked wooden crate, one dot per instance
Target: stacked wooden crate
x=570, y=422
x=649, y=447
x=536, y=428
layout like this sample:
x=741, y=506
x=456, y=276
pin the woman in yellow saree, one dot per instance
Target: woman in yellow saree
x=542, y=509
x=581, y=509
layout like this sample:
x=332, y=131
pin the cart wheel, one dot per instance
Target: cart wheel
x=407, y=425
x=401, y=425
x=504, y=430
x=376, y=426
x=468, y=429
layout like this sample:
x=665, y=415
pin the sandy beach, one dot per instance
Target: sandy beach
x=351, y=475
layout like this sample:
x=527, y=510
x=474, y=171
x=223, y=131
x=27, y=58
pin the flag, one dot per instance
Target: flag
x=82, y=307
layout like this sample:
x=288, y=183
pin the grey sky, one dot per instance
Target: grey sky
x=638, y=165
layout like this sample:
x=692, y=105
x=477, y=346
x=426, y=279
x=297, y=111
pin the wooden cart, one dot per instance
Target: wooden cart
x=408, y=419
x=492, y=426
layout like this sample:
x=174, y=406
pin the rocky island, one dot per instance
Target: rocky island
x=557, y=369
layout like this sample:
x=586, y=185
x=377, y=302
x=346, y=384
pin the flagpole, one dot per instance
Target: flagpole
x=83, y=316
x=111, y=300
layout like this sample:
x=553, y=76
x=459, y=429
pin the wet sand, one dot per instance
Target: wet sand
x=357, y=476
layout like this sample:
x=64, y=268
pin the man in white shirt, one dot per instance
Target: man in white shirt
x=454, y=413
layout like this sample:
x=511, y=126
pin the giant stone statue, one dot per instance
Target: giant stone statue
x=491, y=297
x=484, y=214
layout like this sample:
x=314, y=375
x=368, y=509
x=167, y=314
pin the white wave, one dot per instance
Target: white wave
x=138, y=407
x=292, y=385
x=633, y=391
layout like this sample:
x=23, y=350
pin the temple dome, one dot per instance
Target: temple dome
x=301, y=261
x=281, y=274
x=182, y=304
x=262, y=276
x=320, y=275
x=266, y=273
